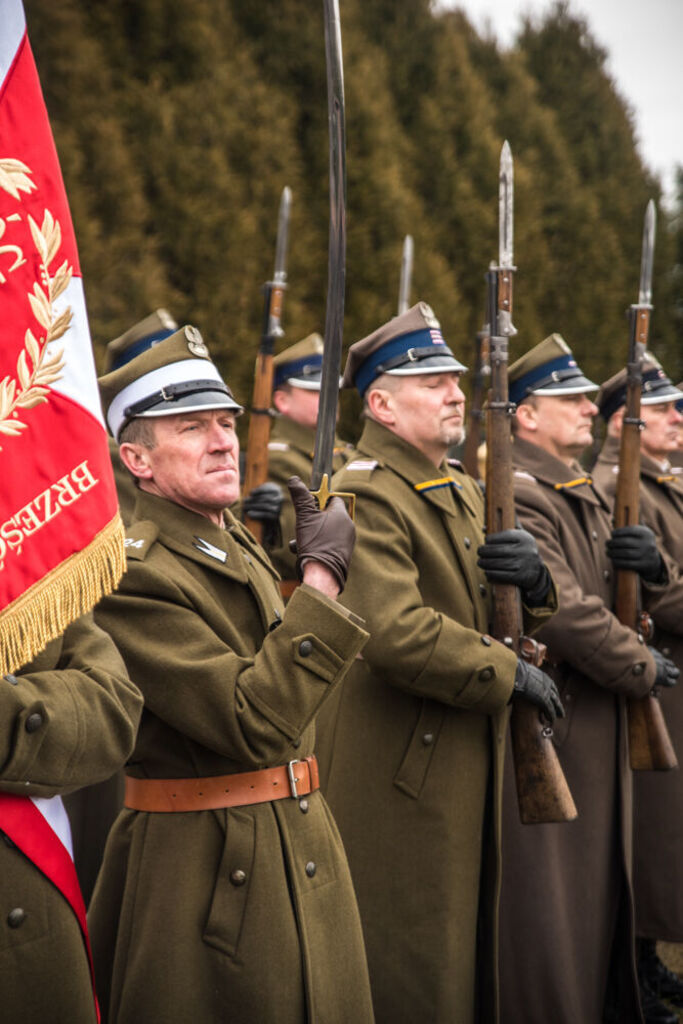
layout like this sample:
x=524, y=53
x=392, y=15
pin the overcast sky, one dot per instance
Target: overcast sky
x=644, y=41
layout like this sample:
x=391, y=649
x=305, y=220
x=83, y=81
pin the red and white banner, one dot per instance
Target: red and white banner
x=61, y=538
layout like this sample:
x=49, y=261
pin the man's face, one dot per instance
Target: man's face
x=561, y=424
x=299, y=404
x=428, y=411
x=660, y=435
x=195, y=461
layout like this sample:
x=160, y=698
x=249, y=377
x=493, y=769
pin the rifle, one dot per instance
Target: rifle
x=256, y=468
x=406, y=275
x=482, y=371
x=649, y=741
x=542, y=791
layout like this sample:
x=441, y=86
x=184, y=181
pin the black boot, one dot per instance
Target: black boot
x=663, y=982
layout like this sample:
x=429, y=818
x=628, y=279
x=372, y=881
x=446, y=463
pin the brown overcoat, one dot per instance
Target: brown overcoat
x=243, y=914
x=658, y=796
x=87, y=711
x=566, y=903
x=411, y=749
x=290, y=453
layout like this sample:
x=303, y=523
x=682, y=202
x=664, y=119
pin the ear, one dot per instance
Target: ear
x=381, y=406
x=526, y=416
x=616, y=422
x=135, y=458
x=281, y=402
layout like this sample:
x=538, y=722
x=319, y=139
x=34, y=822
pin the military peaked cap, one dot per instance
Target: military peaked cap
x=547, y=369
x=408, y=344
x=300, y=364
x=177, y=375
x=138, y=338
x=656, y=388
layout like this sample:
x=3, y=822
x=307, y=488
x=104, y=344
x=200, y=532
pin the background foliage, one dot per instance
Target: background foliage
x=178, y=122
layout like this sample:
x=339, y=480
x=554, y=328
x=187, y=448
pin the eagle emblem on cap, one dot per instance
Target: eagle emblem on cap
x=428, y=315
x=195, y=343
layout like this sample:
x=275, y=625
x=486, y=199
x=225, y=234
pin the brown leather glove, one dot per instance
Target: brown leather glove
x=327, y=537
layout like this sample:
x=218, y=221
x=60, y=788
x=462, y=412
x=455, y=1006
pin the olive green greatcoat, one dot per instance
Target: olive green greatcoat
x=92, y=811
x=290, y=453
x=411, y=748
x=179, y=933
x=567, y=887
x=79, y=687
x=658, y=796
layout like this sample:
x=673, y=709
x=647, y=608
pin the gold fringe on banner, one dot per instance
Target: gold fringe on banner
x=45, y=610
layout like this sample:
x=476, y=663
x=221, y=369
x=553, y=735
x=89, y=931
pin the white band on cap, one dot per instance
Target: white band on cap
x=182, y=372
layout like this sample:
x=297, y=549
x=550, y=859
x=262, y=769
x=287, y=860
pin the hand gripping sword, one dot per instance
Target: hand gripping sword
x=542, y=791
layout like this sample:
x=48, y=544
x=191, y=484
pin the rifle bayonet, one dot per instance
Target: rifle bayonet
x=406, y=275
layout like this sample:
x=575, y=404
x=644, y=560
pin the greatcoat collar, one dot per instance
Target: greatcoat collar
x=570, y=479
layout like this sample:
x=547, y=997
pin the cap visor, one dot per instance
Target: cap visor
x=431, y=364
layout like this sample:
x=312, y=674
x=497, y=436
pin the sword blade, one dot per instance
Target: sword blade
x=280, y=272
x=505, y=208
x=647, y=257
x=336, y=274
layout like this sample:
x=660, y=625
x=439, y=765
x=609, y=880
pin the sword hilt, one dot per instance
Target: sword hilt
x=323, y=495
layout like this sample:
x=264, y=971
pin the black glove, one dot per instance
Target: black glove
x=535, y=686
x=667, y=673
x=635, y=548
x=512, y=556
x=264, y=505
x=327, y=537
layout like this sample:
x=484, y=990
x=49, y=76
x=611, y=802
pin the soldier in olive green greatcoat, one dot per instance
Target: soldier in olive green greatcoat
x=224, y=893
x=92, y=810
x=567, y=940
x=67, y=719
x=426, y=704
x=297, y=374
x=657, y=796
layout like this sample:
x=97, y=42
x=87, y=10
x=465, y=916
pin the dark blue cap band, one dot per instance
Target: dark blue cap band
x=654, y=380
x=524, y=385
x=298, y=368
x=397, y=352
x=141, y=346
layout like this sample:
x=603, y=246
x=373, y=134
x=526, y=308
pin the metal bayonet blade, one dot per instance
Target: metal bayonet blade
x=647, y=258
x=336, y=275
x=505, y=208
x=280, y=274
x=406, y=275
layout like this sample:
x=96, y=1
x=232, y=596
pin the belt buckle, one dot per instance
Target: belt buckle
x=292, y=778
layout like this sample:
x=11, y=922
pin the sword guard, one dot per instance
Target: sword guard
x=323, y=495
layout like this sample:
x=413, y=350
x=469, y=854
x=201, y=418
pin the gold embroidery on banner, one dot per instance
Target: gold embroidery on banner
x=36, y=367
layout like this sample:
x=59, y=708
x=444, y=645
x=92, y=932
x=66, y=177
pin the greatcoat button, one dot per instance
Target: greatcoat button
x=238, y=877
x=12, y=679
x=428, y=739
x=486, y=640
x=33, y=722
x=606, y=574
x=16, y=917
x=638, y=670
x=482, y=590
x=310, y=869
x=303, y=806
x=486, y=674
x=594, y=534
x=467, y=542
x=305, y=648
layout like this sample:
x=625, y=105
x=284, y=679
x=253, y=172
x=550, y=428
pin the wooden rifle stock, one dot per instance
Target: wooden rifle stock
x=256, y=463
x=542, y=791
x=650, y=746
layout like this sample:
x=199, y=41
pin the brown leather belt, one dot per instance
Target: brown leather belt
x=288, y=780
x=287, y=588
